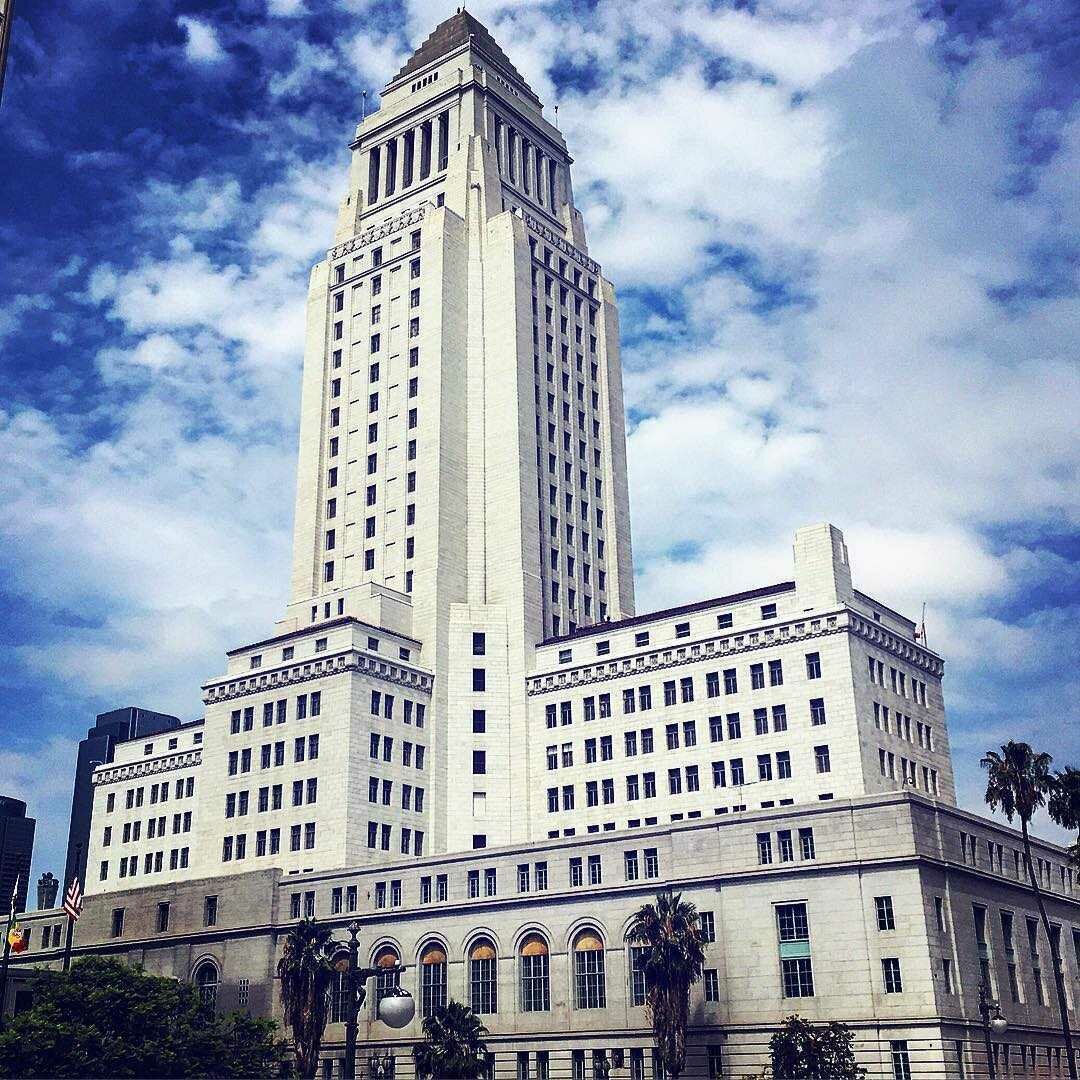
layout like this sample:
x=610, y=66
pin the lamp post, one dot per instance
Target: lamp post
x=396, y=1010
x=996, y=1025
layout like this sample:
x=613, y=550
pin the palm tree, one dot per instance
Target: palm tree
x=1018, y=782
x=1064, y=805
x=453, y=1046
x=306, y=974
x=674, y=957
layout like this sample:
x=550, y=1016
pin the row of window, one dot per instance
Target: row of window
x=276, y=711
x=420, y=151
x=271, y=755
x=270, y=798
x=173, y=743
x=733, y=772
x=562, y=713
x=784, y=846
x=379, y=834
x=382, y=790
x=680, y=630
x=899, y=682
x=153, y=863
x=412, y=755
x=155, y=828
x=924, y=733
x=133, y=797
x=642, y=740
x=995, y=859
x=909, y=771
x=268, y=842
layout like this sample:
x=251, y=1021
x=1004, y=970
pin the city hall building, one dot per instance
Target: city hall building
x=462, y=735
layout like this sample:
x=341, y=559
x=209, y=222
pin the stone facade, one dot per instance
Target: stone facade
x=885, y=878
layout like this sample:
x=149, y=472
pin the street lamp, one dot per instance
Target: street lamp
x=395, y=1010
x=996, y=1025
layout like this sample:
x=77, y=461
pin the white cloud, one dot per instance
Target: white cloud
x=202, y=43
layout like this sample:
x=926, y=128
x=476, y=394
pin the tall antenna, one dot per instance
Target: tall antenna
x=556, y=115
x=363, y=104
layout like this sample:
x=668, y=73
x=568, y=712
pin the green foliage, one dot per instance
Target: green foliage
x=673, y=963
x=1064, y=805
x=800, y=1050
x=306, y=976
x=453, y=1046
x=1018, y=780
x=104, y=1018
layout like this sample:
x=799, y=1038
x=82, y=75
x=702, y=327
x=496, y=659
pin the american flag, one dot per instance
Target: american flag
x=73, y=899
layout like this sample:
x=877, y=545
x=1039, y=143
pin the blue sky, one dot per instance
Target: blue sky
x=844, y=234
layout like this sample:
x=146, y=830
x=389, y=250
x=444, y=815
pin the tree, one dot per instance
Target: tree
x=1063, y=805
x=105, y=1018
x=674, y=957
x=453, y=1046
x=1018, y=783
x=800, y=1050
x=306, y=976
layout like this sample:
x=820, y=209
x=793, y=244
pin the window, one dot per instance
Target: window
x=389, y=977
x=776, y=673
x=885, y=919
x=712, y=985
x=813, y=665
x=535, y=979
x=890, y=970
x=117, y=921
x=638, y=957
x=901, y=1062
x=707, y=927
x=821, y=759
x=432, y=976
x=479, y=762
x=817, y=711
x=162, y=917
x=479, y=679
x=589, y=983
x=764, y=849
x=806, y=844
x=793, y=930
x=206, y=982
x=479, y=645
x=483, y=977
x=652, y=863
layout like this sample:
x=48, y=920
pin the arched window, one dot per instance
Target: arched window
x=483, y=977
x=589, y=988
x=535, y=975
x=206, y=982
x=386, y=960
x=432, y=979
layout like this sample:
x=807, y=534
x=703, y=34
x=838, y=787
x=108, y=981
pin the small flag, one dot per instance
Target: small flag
x=73, y=900
x=16, y=938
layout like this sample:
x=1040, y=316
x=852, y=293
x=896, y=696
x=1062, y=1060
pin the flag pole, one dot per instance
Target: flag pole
x=67, y=942
x=7, y=955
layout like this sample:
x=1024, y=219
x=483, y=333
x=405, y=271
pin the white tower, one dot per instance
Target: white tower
x=462, y=440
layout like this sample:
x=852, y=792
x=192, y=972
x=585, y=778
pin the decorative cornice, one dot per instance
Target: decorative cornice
x=351, y=662
x=888, y=642
x=379, y=232
x=150, y=767
x=731, y=646
x=552, y=237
